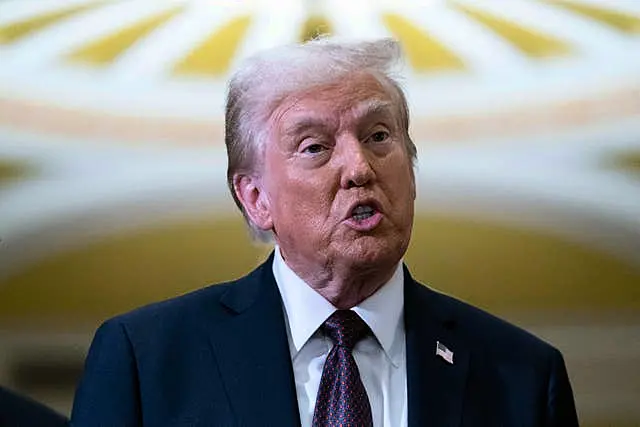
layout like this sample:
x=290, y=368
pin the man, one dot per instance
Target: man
x=331, y=329
x=20, y=411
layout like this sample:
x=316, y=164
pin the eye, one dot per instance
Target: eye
x=313, y=149
x=379, y=136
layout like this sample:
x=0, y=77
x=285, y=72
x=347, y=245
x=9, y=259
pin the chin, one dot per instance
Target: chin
x=368, y=252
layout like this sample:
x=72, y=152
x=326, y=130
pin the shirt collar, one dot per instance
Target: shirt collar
x=306, y=310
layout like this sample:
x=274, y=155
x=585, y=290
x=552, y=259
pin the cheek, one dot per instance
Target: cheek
x=397, y=178
x=305, y=200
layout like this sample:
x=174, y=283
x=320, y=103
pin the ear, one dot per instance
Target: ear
x=412, y=171
x=254, y=199
x=413, y=184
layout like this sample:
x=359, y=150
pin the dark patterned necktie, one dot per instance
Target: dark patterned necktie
x=342, y=399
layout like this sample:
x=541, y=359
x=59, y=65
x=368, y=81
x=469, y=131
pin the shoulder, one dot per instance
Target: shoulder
x=511, y=371
x=179, y=307
x=170, y=318
x=488, y=333
x=17, y=410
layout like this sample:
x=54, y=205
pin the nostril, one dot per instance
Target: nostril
x=357, y=175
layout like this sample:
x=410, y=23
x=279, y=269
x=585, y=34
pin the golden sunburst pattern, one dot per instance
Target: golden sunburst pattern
x=530, y=42
x=15, y=31
x=425, y=53
x=107, y=49
x=215, y=53
x=315, y=26
x=624, y=22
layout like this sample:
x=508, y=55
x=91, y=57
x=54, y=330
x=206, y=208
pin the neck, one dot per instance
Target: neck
x=345, y=293
x=344, y=286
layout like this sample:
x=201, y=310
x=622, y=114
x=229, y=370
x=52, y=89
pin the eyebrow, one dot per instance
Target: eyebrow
x=362, y=111
x=373, y=107
x=304, y=124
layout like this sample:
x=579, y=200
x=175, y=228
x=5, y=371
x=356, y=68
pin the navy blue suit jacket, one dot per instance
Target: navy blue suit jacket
x=20, y=411
x=220, y=357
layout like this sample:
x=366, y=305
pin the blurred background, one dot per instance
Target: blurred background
x=526, y=114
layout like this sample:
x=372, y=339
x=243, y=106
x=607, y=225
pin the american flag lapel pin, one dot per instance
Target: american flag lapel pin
x=444, y=352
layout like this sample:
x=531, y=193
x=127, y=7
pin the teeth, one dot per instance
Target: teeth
x=362, y=212
x=362, y=209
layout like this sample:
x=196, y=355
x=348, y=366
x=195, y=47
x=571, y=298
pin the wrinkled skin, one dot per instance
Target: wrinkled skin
x=330, y=149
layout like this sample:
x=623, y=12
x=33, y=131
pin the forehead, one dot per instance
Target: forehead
x=354, y=97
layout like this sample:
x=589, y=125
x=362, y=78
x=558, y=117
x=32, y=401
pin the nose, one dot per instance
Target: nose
x=357, y=170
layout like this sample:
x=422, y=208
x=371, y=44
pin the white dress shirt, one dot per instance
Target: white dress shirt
x=381, y=360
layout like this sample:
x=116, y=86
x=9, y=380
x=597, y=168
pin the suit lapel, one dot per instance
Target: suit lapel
x=435, y=387
x=252, y=352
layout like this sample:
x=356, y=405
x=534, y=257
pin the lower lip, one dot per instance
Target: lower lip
x=366, y=224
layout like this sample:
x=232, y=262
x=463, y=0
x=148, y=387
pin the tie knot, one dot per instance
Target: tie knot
x=345, y=328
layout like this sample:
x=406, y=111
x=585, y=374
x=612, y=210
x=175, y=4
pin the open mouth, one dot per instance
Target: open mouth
x=362, y=212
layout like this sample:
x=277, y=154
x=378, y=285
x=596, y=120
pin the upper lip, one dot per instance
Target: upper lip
x=363, y=202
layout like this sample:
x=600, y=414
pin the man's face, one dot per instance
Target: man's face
x=338, y=179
